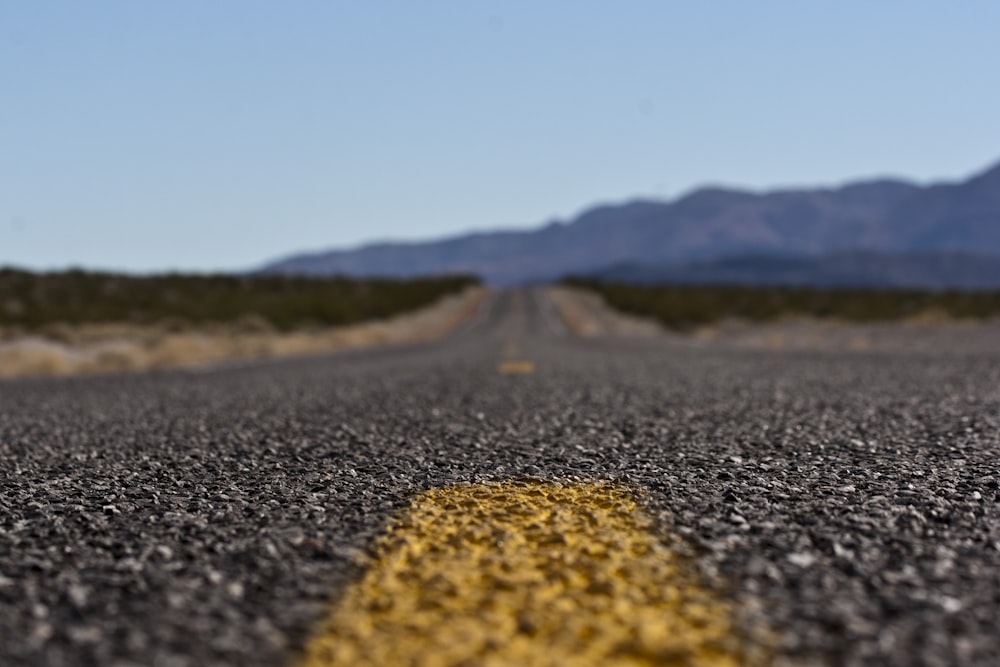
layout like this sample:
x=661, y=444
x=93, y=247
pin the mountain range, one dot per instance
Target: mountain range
x=858, y=268
x=890, y=231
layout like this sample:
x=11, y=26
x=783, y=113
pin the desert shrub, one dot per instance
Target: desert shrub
x=684, y=307
x=34, y=301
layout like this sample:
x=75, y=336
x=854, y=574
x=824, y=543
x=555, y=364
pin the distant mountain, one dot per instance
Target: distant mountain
x=880, y=216
x=941, y=270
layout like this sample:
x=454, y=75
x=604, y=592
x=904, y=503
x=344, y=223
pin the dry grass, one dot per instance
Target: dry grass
x=61, y=349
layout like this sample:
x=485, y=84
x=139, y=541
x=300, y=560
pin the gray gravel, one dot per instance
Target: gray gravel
x=847, y=500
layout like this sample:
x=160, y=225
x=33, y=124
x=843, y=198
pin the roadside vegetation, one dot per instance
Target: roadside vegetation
x=80, y=322
x=686, y=307
x=33, y=301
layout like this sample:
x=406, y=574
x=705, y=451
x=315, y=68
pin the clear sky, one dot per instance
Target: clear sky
x=217, y=134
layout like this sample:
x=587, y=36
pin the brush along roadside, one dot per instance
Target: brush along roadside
x=100, y=348
x=931, y=331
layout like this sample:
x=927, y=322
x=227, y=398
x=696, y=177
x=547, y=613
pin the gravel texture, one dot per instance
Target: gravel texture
x=848, y=501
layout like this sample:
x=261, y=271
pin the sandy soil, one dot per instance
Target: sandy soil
x=952, y=336
x=62, y=350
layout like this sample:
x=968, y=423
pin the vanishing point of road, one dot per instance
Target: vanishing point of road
x=508, y=495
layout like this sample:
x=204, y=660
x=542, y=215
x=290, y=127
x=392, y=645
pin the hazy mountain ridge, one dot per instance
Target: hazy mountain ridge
x=938, y=270
x=886, y=216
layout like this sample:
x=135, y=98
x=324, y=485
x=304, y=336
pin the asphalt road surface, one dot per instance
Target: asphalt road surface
x=846, y=503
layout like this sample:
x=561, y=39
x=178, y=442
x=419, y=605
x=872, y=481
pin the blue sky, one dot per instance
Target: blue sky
x=204, y=135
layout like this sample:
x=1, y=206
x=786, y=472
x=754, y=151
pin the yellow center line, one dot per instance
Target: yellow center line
x=516, y=367
x=512, y=364
x=526, y=574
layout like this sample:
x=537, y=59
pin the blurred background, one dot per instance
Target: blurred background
x=219, y=136
x=789, y=146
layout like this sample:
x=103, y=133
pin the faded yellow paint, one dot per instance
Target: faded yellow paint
x=516, y=367
x=526, y=574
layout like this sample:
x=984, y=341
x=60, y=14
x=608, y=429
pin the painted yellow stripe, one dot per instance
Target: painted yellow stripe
x=516, y=367
x=526, y=574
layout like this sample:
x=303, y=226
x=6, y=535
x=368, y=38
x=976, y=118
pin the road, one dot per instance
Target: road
x=842, y=508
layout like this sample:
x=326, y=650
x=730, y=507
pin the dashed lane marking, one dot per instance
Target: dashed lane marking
x=530, y=574
x=512, y=363
x=516, y=367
